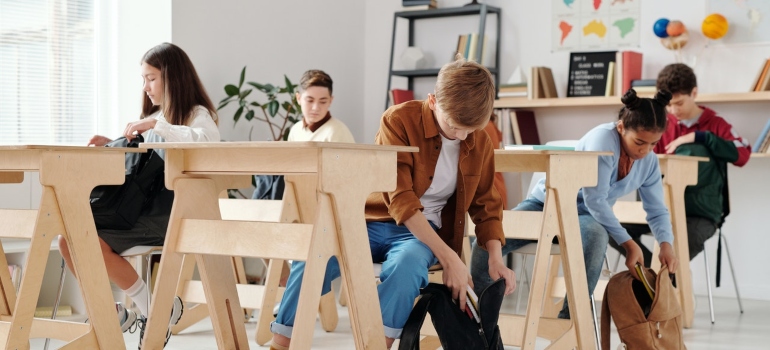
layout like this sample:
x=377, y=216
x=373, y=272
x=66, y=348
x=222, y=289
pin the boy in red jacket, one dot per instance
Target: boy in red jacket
x=697, y=131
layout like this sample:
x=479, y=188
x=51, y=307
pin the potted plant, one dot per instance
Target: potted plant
x=279, y=112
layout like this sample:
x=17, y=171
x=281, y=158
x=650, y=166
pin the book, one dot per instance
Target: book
x=588, y=73
x=763, y=136
x=472, y=302
x=399, y=96
x=630, y=68
x=512, y=94
x=643, y=277
x=546, y=81
x=643, y=82
x=472, y=47
x=759, y=82
x=535, y=86
x=417, y=5
x=524, y=127
x=538, y=148
x=15, y=272
x=609, y=90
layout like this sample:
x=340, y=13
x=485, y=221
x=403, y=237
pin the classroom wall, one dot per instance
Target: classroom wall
x=273, y=38
x=720, y=68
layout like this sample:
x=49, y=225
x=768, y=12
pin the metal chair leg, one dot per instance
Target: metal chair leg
x=732, y=271
x=708, y=285
x=596, y=321
x=58, y=298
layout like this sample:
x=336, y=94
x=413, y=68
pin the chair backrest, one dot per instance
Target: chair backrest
x=250, y=209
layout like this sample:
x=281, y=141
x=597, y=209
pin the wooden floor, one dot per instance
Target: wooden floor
x=732, y=330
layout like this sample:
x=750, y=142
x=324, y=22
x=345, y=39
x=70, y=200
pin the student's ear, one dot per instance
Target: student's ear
x=297, y=96
x=694, y=93
x=331, y=99
x=432, y=102
x=621, y=128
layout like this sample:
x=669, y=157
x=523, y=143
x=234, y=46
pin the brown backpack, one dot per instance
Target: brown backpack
x=626, y=299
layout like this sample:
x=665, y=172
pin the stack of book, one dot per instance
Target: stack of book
x=410, y=5
x=513, y=90
x=644, y=86
x=519, y=127
x=15, y=272
x=762, y=82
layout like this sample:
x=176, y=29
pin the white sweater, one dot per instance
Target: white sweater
x=332, y=131
x=202, y=128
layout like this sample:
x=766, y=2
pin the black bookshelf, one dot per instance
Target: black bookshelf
x=481, y=10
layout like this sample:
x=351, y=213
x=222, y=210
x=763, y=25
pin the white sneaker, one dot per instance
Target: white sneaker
x=126, y=317
x=176, y=314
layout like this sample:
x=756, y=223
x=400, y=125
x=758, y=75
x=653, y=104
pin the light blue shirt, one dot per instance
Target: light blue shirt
x=598, y=201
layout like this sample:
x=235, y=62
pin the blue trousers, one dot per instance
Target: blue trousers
x=594, y=236
x=405, y=262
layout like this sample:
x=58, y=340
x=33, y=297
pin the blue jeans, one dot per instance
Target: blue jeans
x=405, y=262
x=594, y=236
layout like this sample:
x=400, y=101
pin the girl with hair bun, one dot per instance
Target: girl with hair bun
x=632, y=166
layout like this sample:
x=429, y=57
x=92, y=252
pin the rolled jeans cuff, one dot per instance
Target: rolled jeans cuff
x=277, y=328
x=393, y=333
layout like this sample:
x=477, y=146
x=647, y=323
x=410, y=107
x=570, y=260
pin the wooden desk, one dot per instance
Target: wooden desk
x=68, y=174
x=678, y=173
x=342, y=176
x=566, y=173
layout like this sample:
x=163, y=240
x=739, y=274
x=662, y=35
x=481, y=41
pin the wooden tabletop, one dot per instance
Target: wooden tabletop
x=70, y=148
x=273, y=144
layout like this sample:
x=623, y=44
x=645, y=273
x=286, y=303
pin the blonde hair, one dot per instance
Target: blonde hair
x=465, y=92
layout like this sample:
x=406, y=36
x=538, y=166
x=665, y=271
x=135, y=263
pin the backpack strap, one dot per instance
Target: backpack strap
x=410, y=335
x=605, y=341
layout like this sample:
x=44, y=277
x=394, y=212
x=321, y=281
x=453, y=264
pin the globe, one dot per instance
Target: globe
x=659, y=28
x=675, y=28
x=715, y=26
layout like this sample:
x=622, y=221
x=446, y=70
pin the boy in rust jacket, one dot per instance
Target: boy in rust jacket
x=422, y=222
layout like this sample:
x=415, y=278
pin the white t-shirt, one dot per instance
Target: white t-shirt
x=444, y=181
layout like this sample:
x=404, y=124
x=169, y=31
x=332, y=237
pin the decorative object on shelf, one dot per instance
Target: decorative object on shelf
x=674, y=36
x=414, y=58
x=279, y=112
x=715, y=26
x=588, y=73
x=517, y=77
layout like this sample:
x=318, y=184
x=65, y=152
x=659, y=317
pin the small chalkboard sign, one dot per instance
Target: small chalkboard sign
x=588, y=73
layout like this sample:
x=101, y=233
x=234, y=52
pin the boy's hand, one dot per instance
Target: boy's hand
x=456, y=277
x=498, y=269
x=139, y=127
x=667, y=257
x=98, y=140
x=681, y=140
x=633, y=256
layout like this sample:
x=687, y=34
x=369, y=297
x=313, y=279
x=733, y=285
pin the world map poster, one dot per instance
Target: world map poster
x=581, y=25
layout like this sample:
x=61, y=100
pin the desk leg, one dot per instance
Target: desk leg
x=89, y=267
x=322, y=248
x=675, y=197
x=196, y=198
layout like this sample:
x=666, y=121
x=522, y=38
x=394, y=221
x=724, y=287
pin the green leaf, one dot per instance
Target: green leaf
x=243, y=75
x=255, y=104
x=245, y=93
x=222, y=105
x=289, y=86
x=272, y=108
x=286, y=106
x=238, y=114
x=286, y=134
x=231, y=90
x=258, y=86
x=249, y=115
x=225, y=99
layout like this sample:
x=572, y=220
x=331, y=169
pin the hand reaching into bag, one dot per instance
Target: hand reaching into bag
x=98, y=141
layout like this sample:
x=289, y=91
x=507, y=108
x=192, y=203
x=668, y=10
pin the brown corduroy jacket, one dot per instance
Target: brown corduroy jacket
x=413, y=124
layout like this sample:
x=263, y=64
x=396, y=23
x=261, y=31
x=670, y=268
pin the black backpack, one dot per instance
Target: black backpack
x=119, y=206
x=455, y=329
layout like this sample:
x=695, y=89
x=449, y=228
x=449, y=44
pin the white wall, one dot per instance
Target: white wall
x=526, y=42
x=273, y=38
